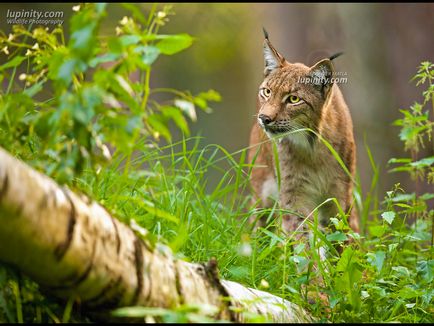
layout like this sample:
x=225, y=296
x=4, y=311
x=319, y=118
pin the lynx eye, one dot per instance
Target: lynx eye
x=293, y=99
x=265, y=92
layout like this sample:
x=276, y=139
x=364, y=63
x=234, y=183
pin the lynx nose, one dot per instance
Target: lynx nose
x=265, y=119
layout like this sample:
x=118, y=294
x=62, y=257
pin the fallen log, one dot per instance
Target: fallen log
x=71, y=246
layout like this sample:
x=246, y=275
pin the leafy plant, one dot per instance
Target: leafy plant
x=80, y=100
x=417, y=128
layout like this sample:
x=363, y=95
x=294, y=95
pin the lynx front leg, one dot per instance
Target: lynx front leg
x=294, y=225
x=297, y=206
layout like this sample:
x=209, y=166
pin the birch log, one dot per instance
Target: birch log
x=72, y=246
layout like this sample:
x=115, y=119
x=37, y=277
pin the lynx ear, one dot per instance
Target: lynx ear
x=321, y=74
x=272, y=58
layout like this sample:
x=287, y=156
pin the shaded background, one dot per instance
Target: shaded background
x=383, y=45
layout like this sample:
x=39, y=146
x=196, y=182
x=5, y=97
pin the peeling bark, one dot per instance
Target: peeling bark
x=71, y=245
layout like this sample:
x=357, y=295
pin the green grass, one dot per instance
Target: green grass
x=384, y=275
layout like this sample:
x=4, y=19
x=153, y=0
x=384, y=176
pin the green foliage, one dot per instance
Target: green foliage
x=417, y=128
x=383, y=276
x=78, y=99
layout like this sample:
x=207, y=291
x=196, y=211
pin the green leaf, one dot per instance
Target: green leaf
x=16, y=61
x=345, y=260
x=129, y=39
x=377, y=259
x=399, y=160
x=337, y=223
x=133, y=124
x=392, y=246
x=124, y=85
x=300, y=261
x=34, y=89
x=171, y=44
x=427, y=161
x=107, y=57
x=337, y=236
x=158, y=127
x=401, y=271
x=82, y=40
x=210, y=95
x=68, y=68
x=377, y=230
x=66, y=71
x=273, y=236
x=91, y=97
x=426, y=269
x=408, y=293
x=115, y=45
x=238, y=271
x=149, y=53
x=299, y=248
x=176, y=115
x=427, y=196
x=404, y=197
x=388, y=216
x=200, y=102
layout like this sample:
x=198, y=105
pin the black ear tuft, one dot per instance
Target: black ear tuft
x=334, y=56
x=273, y=59
x=265, y=33
x=321, y=74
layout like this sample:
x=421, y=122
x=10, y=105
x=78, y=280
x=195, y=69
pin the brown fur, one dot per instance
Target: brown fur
x=309, y=172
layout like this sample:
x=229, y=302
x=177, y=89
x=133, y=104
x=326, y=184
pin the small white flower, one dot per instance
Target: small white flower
x=35, y=47
x=22, y=77
x=106, y=152
x=365, y=294
x=161, y=14
x=150, y=320
x=76, y=8
x=11, y=37
x=28, y=53
x=5, y=50
x=118, y=30
x=245, y=249
x=264, y=284
x=124, y=20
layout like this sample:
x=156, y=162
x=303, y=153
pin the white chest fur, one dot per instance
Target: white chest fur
x=269, y=190
x=306, y=168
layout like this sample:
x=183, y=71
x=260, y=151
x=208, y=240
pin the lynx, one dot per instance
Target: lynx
x=298, y=105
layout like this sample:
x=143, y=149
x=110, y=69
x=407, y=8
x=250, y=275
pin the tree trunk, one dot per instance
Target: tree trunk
x=72, y=246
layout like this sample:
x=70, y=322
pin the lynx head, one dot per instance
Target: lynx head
x=292, y=95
